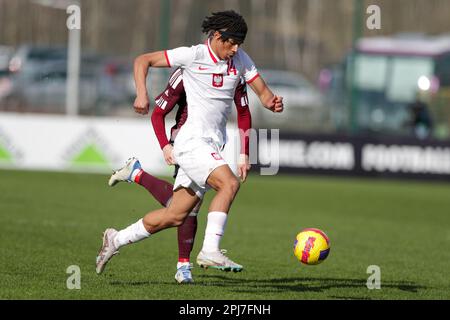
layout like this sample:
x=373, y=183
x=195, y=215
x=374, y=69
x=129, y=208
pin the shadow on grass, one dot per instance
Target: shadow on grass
x=298, y=284
x=140, y=283
x=281, y=285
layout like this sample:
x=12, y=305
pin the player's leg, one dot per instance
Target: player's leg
x=183, y=201
x=202, y=163
x=226, y=184
x=186, y=237
x=161, y=190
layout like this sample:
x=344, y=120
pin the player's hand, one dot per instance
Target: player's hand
x=141, y=104
x=243, y=166
x=276, y=104
x=168, y=154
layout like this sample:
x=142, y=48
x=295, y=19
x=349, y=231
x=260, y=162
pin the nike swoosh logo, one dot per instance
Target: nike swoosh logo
x=202, y=69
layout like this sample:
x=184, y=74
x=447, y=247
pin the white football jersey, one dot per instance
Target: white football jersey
x=210, y=85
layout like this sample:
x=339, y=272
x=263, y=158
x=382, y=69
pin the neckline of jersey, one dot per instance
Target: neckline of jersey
x=213, y=56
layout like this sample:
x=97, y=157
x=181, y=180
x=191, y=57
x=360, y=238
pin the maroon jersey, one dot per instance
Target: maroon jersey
x=174, y=94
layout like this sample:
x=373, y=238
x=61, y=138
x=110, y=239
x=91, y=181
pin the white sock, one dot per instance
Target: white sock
x=131, y=234
x=214, y=231
x=180, y=264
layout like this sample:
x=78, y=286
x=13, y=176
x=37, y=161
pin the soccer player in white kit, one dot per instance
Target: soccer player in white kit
x=211, y=72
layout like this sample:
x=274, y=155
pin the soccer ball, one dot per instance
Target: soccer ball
x=311, y=246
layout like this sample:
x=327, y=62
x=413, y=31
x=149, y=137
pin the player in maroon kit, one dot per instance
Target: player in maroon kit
x=161, y=190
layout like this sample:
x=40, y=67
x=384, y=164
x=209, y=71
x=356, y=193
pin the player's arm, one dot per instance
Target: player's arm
x=159, y=126
x=165, y=102
x=244, y=119
x=269, y=100
x=141, y=65
x=182, y=56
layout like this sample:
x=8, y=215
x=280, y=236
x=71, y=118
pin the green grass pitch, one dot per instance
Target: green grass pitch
x=50, y=221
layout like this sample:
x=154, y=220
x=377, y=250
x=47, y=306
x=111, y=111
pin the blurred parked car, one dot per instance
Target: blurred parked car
x=29, y=59
x=115, y=88
x=156, y=82
x=44, y=90
x=300, y=97
x=37, y=81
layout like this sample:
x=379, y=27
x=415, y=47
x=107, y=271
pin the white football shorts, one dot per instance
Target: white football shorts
x=197, y=158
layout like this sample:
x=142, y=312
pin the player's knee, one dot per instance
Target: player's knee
x=232, y=186
x=175, y=220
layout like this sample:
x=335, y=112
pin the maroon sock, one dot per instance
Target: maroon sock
x=161, y=190
x=186, y=236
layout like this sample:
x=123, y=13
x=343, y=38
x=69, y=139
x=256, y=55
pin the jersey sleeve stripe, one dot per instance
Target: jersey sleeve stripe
x=177, y=82
x=167, y=58
x=253, y=79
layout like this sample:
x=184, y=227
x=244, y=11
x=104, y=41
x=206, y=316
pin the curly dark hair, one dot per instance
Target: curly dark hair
x=230, y=24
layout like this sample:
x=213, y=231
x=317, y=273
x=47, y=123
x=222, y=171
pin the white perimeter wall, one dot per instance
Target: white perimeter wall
x=86, y=144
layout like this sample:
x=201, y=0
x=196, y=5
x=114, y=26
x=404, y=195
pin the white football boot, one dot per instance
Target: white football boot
x=217, y=260
x=184, y=274
x=107, y=250
x=124, y=173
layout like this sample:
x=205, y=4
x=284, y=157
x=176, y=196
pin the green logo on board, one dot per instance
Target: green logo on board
x=5, y=156
x=92, y=155
x=9, y=153
x=89, y=151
